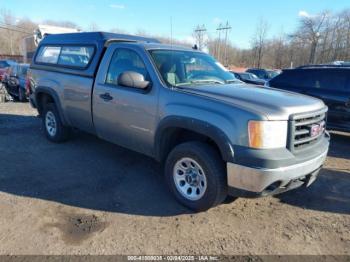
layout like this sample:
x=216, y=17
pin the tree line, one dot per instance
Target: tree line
x=320, y=38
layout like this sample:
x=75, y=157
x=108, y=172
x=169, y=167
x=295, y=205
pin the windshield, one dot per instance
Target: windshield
x=190, y=68
x=272, y=73
x=247, y=76
x=252, y=76
x=23, y=70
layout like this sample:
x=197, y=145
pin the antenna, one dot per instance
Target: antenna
x=171, y=30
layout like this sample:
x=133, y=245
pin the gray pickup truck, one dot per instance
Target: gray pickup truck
x=215, y=136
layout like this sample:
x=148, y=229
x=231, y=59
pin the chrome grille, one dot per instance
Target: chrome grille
x=307, y=129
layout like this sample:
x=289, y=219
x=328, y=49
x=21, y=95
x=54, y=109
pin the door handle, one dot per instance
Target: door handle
x=106, y=97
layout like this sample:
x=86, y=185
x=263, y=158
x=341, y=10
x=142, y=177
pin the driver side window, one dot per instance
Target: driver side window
x=125, y=60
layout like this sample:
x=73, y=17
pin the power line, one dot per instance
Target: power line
x=199, y=33
x=225, y=28
x=19, y=27
x=219, y=42
x=15, y=30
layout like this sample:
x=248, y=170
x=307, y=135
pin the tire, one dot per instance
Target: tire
x=13, y=97
x=205, y=160
x=9, y=94
x=230, y=199
x=21, y=95
x=54, y=130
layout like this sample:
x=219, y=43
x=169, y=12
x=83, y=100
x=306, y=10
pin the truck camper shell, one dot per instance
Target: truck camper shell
x=98, y=40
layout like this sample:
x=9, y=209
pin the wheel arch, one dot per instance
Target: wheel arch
x=174, y=130
x=45, y=95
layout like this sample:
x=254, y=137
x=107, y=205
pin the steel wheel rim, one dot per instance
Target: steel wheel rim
x=190, y=179
x=50, y=123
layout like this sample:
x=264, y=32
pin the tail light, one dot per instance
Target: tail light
x=27, y=86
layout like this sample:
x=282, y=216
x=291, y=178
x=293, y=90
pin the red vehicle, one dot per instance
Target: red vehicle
x=4, y=69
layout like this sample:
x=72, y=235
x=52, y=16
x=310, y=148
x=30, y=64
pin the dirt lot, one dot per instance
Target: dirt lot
x=91, y=197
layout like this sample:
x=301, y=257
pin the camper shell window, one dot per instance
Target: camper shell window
x=66, y=56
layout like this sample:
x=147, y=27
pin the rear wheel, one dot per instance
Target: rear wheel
x=196, y=176
x=54, y=129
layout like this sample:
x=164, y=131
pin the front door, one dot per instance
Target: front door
x=123, y=115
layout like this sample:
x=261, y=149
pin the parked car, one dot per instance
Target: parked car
x=342, y=63
x=16, y=82
x=265, y=74
x=214, y=136
x=331, y=83
x=4, y=69
x=249, y=78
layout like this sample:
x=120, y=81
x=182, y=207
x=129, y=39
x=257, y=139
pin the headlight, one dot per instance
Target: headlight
x=267, y=134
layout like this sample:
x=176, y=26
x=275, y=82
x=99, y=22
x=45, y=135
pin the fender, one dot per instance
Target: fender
x=198, y=126
x=47, y=90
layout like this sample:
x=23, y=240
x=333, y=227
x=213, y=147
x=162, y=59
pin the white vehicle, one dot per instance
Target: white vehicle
x=30, y=43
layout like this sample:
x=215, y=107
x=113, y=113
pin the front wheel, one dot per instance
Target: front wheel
x=196, y=175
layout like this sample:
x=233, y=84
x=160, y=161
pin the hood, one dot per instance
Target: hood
x=273, y=103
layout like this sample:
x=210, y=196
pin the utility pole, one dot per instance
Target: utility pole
x=225, y=28
x=219, y=42
x=199, y=35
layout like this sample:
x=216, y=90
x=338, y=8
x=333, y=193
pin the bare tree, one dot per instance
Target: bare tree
x=8, y=22
x=12, y=31
x=118, y=31
x=93, y=27
x=259, y=41
x=310, y=30
x=279, y=50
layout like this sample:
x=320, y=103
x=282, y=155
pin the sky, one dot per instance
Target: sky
x=156, y=16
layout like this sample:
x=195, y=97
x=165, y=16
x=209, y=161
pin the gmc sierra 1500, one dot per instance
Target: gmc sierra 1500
x=215, y=135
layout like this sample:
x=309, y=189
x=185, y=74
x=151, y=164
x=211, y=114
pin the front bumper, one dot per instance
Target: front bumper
x=268, y=181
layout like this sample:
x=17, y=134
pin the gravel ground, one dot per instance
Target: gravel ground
x=88, y=196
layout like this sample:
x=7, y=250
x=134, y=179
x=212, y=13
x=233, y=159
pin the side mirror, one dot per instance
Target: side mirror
x=132, y=79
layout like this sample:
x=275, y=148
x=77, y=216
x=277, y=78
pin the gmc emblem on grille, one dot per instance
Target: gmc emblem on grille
x=317, y=129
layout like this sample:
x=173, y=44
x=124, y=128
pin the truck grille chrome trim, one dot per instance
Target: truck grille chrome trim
x=306, y=129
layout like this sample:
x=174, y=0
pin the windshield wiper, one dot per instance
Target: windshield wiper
x=207, y=81
x=201, y=81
